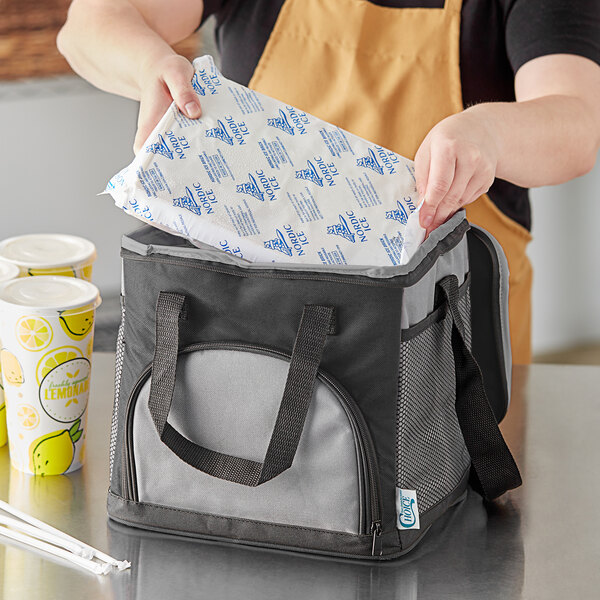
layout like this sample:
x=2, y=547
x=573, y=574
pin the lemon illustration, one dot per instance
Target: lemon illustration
x=3, y=433
x=64, y=271
x=90, y=347
x=12, y=372
x=33, y=333
x=28, y=416
x=53, y=358
x=86, y=272
x=52, y=454
x=82, y=451
x=77, y=324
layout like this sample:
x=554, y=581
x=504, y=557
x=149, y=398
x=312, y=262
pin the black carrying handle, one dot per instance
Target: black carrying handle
x=316, y=323
x=494, y=470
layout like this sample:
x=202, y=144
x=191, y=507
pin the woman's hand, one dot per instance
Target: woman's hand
x=162, y=82
x=455, y=164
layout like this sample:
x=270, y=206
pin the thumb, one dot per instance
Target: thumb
x=178, y=78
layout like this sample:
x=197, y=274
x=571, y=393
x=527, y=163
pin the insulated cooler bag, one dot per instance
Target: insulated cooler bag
x=330, y=409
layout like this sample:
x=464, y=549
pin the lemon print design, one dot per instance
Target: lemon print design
x=54, y=358
x=28, y=417
x=33, y=333
x=86, y=272
x=11, y=369
x=64, y=391
x=64, y=271
x=77, y=324
x=52, y=454
x=3, y=432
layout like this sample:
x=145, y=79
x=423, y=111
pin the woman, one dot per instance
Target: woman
x=490, y=97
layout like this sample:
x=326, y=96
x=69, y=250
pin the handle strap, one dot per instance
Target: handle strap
x=316, y=323
x=494, y=470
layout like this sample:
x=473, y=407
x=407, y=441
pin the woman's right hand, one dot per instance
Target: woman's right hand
x=163, y=81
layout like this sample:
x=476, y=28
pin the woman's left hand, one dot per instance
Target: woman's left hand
x=455, y=164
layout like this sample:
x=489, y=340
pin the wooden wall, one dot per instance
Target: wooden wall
x=28, y=31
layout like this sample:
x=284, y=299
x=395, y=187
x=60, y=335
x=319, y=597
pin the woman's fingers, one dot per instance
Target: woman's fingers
x=478, y=186
x=442, y=166
x=455, y=164
x=153, y=106
x=422, y=158
x=453, y=198
x=169, y=81
x=178, y=78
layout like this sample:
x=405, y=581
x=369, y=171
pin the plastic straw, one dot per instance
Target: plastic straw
x=89, y=565
x=86, y=550
x=40, y=534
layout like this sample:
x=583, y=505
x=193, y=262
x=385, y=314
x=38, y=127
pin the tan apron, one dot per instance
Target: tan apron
x=388, y=75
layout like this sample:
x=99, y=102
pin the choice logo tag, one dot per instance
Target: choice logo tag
x=407, y=509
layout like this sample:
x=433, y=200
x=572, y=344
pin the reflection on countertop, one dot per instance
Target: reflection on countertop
x=476, y=551
x=526, y=545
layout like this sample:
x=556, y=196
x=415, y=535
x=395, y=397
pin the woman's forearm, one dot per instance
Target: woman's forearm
x=110, y=44
x=124, y=47
x=544, y=141
x=549, y=135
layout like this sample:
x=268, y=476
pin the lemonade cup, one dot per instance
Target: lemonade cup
x=47, y=331
x=8, y=271
x=50, y=254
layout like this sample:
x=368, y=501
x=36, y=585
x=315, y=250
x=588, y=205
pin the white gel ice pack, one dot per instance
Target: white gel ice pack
x=270, y=183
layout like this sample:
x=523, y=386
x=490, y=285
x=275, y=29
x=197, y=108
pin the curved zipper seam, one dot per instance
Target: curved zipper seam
x=355, y=416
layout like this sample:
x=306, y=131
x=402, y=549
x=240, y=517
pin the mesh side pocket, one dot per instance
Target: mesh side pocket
x=464, y=308
x=431, y=456
x=118, y=370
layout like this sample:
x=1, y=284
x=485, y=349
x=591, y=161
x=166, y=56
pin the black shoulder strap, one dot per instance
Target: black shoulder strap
x=494, y=470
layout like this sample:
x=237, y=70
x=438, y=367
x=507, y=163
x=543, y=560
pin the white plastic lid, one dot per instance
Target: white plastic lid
x=47, y=250
x=8, y=271
x=49, y=293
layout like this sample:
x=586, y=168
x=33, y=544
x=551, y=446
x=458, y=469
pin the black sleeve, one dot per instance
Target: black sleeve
x=211, y=7
x=540, y=27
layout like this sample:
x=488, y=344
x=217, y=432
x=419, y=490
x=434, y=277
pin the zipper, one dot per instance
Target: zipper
x=371, y=460
x=449, y=242
x=369, y=466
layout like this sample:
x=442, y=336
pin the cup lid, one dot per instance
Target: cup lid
x=8, y=271
x=49, y=293
x=47, y=250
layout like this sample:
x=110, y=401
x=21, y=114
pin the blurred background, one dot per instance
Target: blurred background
x=62, y=140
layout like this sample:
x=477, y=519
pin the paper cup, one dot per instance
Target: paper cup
x=47, y=332
x=50, y=254
x=8, y=271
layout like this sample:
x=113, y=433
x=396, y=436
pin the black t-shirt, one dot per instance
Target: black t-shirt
x=497, y=37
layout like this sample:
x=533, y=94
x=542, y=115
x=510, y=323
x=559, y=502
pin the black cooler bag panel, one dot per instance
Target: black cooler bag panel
x=283, y=406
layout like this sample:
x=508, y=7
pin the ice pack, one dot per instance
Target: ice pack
x=269, y=182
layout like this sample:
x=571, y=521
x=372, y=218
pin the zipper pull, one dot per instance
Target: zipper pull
x=376, y=549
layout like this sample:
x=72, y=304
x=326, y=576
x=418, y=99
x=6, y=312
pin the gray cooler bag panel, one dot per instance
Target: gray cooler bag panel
x=206, y=455
x=227, y=400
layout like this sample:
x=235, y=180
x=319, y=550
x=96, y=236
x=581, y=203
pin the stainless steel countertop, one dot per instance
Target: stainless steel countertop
x=541, y=541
